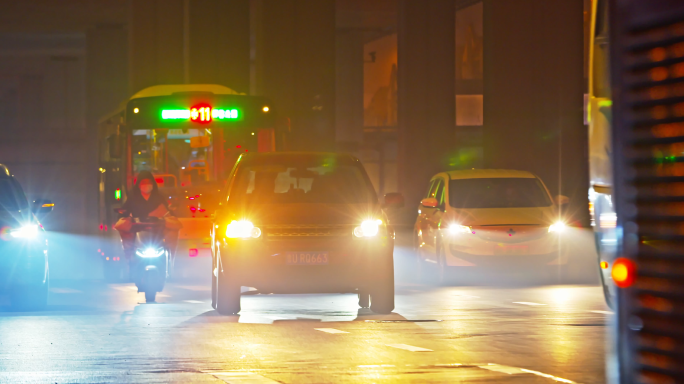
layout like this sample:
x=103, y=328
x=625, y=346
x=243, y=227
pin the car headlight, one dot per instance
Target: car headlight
x=455, y=229
x=557, y=227
x=26, y=232
x=150, y=252
x=368, y=228
x=242, y=229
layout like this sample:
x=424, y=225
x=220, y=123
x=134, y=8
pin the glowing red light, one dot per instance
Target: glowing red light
x=623, y=272
x=193, y=252
x=201, y=113
x=159, y=180
x=101, y=227
x=105, y=227
x=238, y=146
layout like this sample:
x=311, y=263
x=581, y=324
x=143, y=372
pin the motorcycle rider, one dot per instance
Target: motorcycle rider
x=145, y=200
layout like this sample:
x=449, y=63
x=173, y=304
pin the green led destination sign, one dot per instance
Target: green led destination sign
x=200, y=114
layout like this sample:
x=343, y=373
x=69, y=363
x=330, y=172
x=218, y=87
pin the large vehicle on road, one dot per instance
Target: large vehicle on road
x=302, y=222
x=645, y=158
x=490, y=219
x=189, y=137
x=24, y=270
x=601, y=204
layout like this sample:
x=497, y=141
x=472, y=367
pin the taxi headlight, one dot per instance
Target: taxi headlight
x=368, y=228
x=557, y=227
x=455, y=229
x=26, y=232
x=243, y=229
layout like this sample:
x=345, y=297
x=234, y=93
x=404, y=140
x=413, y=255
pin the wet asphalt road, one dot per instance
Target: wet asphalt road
x=515, y=332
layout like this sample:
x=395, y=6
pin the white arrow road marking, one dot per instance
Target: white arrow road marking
x=516, y=371
x=604, y=312
x=241, y=378
x=409, y=347
x=330, y=330
x=526, y=303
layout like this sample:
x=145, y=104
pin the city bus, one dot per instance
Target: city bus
x=599, y=108
x=189, y=137
x=637, y=120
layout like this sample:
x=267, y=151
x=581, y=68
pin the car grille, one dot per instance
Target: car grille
x=296, y=231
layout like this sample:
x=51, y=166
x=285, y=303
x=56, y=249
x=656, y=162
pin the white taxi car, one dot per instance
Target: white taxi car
x=491, y=218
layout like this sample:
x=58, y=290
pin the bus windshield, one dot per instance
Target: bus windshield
x=176, y=157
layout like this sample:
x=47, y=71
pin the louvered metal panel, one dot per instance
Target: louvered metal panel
x=647, y=47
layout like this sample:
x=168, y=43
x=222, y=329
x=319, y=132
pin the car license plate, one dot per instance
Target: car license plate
x=306, y=258
x=512, y=250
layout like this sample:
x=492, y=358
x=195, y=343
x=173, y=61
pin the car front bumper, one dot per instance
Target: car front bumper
x=22, y=263
x=471, y=251
x=351, y=263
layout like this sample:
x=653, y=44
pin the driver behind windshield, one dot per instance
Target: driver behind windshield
x=145, y=200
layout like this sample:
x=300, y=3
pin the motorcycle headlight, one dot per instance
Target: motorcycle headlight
x=25, y=232
x=455, y=229
x=243, y=229
x=557, y=227
x=150, y=252
x=368, y=228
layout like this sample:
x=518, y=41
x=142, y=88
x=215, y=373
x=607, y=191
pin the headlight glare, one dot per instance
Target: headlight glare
x=368, y=228
x=242, y=229
x=150, y=252
x=455, y=229
x=557, y=227
x=26, y=232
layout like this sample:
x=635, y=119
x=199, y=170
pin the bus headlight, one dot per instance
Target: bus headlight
x=243, y=229
x=26, y=232
x=557, y=227
x=368, y=228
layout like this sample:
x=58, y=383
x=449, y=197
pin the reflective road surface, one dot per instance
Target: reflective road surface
x=494, y=332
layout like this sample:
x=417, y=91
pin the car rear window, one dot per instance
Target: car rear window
x=498, y=193
x=302, y=180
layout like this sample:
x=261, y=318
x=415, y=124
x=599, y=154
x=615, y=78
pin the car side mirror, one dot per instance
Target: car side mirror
x=429, y=202
x=394, y=200
x=114, y=143
x=42, y=206
x=561, y=200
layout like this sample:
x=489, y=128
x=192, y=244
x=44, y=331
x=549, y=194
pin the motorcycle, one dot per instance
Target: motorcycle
x=149, y=267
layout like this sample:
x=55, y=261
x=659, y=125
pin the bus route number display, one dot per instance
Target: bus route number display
x=200, y=114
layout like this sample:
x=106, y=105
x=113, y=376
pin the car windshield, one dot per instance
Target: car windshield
x=302, y=180
x=11, y=196
x=498, y=193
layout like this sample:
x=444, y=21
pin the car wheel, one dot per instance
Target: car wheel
x=227, y=293
x=442, y=268
x=364, y=299
x=214, y=282
x=29, y=297
x=150, y=296
x=382, y=293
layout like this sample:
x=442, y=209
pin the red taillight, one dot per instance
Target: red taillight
x=101, y=227
x=193, y=252
x=623, y=272
x=604, y=265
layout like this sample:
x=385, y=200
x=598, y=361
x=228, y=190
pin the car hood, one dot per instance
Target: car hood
x=301, y=214
x=505, y=216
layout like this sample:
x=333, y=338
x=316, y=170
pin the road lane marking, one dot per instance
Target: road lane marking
x=125, y=288
x=330, y=330
x=517, y=371
x=409, y=347
x=194, y=301
x=604, y=312
x=194, y=287
x=526, y=303
x=241, y=378
x=64, y=290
